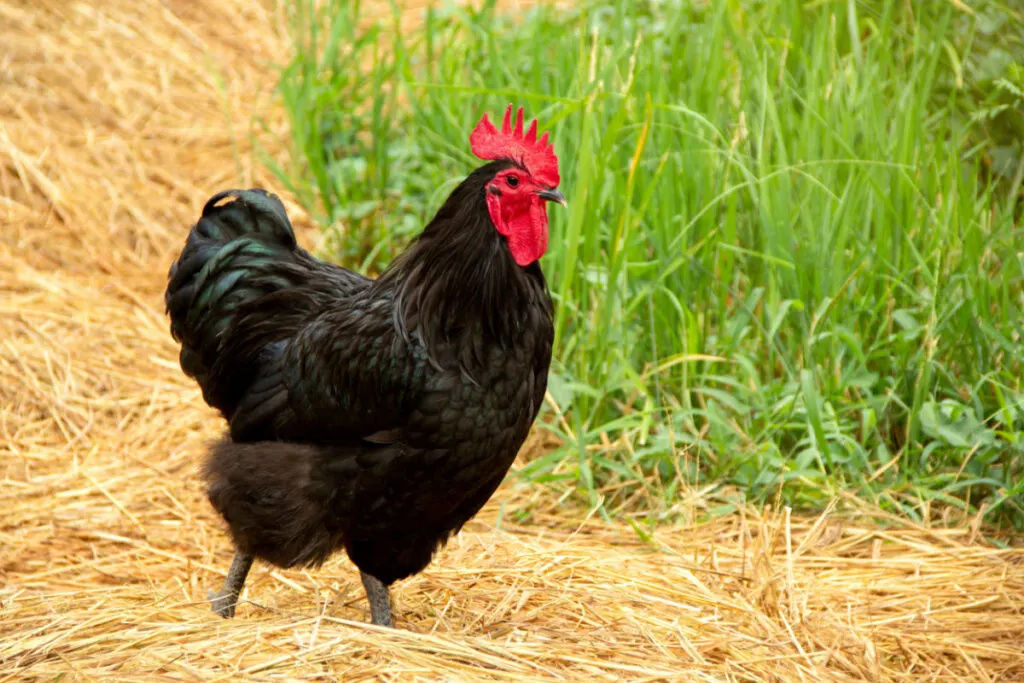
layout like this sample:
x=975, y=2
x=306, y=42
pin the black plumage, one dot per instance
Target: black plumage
x=376, y=416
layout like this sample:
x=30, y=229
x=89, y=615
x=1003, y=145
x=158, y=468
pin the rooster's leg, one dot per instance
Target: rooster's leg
x=380, y=602
x=223, y=602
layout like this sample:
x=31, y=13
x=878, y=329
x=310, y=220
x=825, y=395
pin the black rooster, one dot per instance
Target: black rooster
x=376, y=416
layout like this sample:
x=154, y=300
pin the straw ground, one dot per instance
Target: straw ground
x=117, y=120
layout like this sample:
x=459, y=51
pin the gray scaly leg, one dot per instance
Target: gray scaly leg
x=224, y=601
x=380, y=601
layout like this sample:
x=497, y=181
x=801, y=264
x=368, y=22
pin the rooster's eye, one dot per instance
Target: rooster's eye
x=512, y=181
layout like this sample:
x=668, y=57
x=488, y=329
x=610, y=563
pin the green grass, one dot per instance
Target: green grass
x=792, y=262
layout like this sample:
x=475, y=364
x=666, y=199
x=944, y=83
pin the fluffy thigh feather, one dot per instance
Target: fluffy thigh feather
x=277, y=500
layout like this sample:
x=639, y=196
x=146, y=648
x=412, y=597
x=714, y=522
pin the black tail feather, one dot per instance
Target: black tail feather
x=237, y=253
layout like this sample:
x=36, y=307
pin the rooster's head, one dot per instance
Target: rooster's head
x=517, y=196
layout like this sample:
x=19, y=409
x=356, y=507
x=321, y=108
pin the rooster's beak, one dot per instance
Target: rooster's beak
x=552, y=195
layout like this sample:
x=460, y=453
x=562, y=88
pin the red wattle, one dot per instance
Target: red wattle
x=524, y=225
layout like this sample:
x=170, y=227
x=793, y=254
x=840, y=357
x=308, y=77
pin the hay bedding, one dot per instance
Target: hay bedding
x=113, y=130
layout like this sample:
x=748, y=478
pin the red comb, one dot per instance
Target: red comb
x=538, y=156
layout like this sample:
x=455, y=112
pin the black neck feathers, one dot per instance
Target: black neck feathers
x=457, y=286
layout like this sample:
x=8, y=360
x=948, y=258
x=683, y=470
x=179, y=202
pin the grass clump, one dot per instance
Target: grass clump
x=791, y=263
